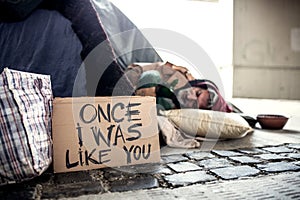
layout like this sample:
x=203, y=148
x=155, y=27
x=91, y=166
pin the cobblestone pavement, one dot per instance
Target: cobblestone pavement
x=174, y=172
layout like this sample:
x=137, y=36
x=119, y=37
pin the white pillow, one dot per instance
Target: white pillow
x=209, y=124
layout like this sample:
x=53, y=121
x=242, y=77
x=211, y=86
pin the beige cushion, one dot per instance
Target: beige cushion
x=209, y=124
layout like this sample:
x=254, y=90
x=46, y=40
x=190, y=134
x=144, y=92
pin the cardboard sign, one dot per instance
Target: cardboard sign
x=97, y=132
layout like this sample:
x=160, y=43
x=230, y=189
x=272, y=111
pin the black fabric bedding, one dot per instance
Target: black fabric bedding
x=127, y=40
x=58, y=38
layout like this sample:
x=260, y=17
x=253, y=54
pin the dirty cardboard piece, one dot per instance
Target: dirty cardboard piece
x=97, y=132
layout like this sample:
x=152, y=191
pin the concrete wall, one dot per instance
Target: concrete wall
x=266, y=54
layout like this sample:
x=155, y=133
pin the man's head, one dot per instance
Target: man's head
x=208, y=95
x=193, y=97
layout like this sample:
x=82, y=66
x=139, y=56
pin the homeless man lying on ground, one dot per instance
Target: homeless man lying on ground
x=175, y=88
x=209, y=118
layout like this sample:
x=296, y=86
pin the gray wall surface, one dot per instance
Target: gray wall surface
x=266, y=55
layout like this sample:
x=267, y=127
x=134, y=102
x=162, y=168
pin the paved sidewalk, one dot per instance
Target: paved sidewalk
x=281, y=186
x=205, y=169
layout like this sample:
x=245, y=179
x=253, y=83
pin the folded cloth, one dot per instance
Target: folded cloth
x=174, y=137
x=25, y=125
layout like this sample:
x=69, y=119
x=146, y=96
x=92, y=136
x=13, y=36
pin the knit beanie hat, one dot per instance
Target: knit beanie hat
x=148, y=79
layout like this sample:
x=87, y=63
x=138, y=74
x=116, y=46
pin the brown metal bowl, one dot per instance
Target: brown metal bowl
x=274, y=122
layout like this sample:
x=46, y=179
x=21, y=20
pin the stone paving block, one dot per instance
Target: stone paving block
x=189, y=178
x=164, y=170
x=251, y=150
x=271, y=157
x=214, y=163
x=148, y=168
x=97, y=174
x=70, y=190
x=226, y=153
x=173, y=158
x=295, y=146
x=200, y=155
x=245, y=159
x=183, y=166
x=278, y=149
x=235, y=172
x=292, y=155
x=137, y=183
x=297, y=163
x=112, y=174
x=18, y=191
x=72, y=177
x=278, y=167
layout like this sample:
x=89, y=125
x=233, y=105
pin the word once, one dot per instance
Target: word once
x=97, y=113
